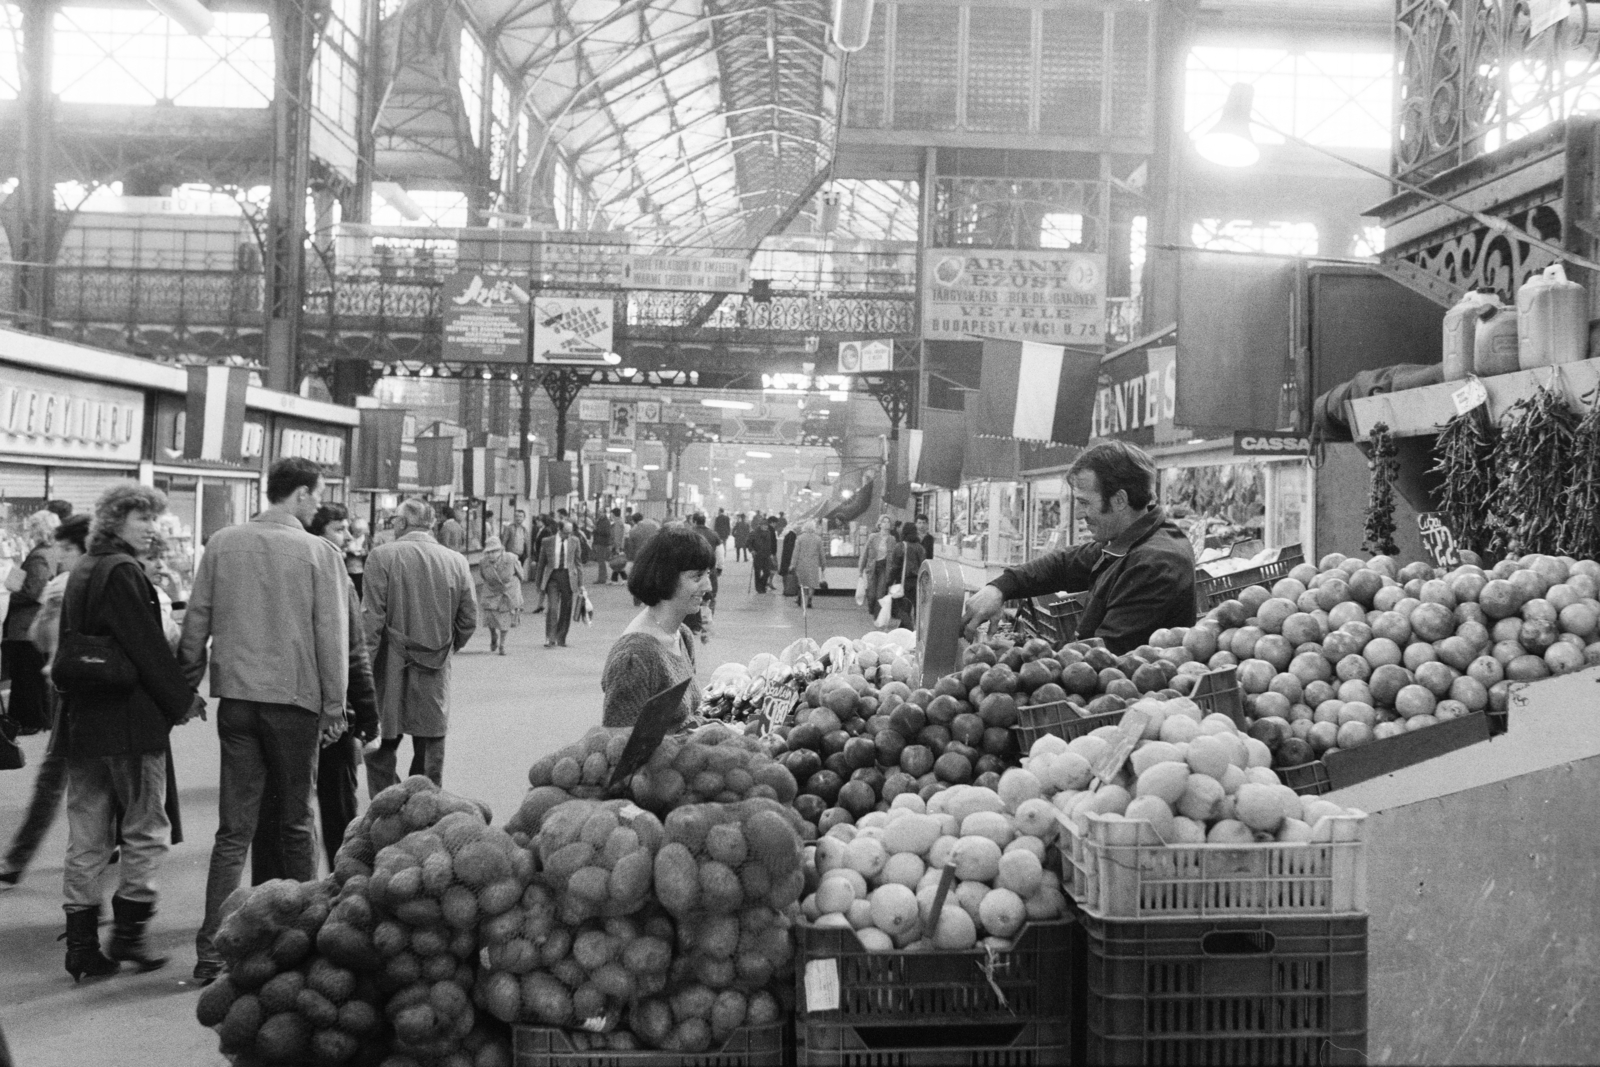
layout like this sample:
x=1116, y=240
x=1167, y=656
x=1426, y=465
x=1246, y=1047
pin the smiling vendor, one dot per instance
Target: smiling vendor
x=1138, y=570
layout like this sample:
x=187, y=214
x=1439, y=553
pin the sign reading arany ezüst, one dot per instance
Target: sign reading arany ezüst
x=1054, y=297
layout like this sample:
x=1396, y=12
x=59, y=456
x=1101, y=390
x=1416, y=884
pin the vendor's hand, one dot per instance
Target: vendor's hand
x=332, y=725
x=982, y=606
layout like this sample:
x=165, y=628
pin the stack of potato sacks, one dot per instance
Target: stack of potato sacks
x=653, y=921
x=376, y=963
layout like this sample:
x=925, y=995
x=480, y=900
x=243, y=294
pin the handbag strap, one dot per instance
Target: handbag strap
x=80, y=597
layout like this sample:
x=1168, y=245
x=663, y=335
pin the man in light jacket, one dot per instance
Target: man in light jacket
x=271, y=601
x=419, y=607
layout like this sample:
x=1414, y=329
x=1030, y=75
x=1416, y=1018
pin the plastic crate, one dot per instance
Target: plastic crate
x=1209, y=591
x=1215, y=691
x=1001, y=1045
x=1122, y=870
x=752, y=1046
x=1283, y=991
x=1348, y=766
x=931, y=989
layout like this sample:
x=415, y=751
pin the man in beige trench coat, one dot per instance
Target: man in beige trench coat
x=419, y=608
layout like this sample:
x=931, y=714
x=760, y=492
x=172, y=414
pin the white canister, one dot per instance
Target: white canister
x=1552, y=320
x=1460, y=326
x=1494, y=345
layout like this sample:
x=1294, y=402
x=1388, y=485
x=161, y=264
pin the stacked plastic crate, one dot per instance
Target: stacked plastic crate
x=1221, y=954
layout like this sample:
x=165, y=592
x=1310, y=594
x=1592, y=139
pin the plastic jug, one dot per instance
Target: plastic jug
x=1552, y=320
x=1494, y=345
x=1460, y=325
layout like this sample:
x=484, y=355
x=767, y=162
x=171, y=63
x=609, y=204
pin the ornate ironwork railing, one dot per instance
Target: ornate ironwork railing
x=1473, y=76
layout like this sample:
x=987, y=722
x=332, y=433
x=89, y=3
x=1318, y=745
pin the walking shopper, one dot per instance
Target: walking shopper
x=791, y=584
x=501, y=603
x=338, y=761
x=723, y=526
x=602, y=548
x=271, y=601
x=117, y=709
x=715, y=541
x=905, y=564
x=741, y=537
x=618, y=562
x=875, y=561
x=763, y=549
x=640, y=533
x=514, y=538
x=50, y=782
x=809, y=563
x=419, y=608
x=30, y=701
x=355, y=553
x=561, y=579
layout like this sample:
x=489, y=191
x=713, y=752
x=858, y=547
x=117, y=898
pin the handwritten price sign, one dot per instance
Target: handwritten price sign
x=1438, y=539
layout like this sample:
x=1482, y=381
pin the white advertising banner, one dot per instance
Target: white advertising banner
x=1053, y=297
x=694, y=274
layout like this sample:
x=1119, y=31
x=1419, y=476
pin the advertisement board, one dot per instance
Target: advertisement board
x=1137, y=397
x=866, y=357
x=485, y=317
x=64, y=418
x=1055, y=297
x=691, y=274
x=572, y=329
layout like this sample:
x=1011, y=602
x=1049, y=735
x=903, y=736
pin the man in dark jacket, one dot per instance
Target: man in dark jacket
x=602, y=546
x=763, y=550
x=1139, y=569
x=722, y=525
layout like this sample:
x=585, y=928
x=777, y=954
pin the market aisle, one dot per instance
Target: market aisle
x=506, y=712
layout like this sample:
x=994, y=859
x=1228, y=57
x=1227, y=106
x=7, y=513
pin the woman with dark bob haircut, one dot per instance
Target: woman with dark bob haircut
x=671, y=578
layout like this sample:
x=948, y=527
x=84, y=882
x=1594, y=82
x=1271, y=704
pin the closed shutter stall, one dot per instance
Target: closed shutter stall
x=82, y=486
x=20, y=480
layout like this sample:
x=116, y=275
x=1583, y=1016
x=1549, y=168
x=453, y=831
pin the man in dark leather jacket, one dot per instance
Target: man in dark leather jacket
x=1138, y=570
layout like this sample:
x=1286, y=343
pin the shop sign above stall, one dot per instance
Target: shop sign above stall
x=769, y=423
x=63, y=418
x=485, y=317
x=572, y=330
x=1054, y=297
x=325, y=450
x=866, y=357
x=1137, y=397
x=594, y=410
x=1270, y=443
x=688, y=274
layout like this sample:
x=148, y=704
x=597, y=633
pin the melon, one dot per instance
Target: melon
x=1202, y=794
x=875, y=940
x=1259, y=808
x=904, y=868
x=894, y=909
x=1166, y=780
x=1230, y=832
x=1151, y=753
x=1155, y=811
x=955, y=931
x=976, y=858
x=1002, y=913
x=1021, y=872
x=994, y=825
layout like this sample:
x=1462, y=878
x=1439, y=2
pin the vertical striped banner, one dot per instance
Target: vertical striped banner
x=214, y=415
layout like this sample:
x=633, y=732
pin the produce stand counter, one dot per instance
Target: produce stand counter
x=1482, y=870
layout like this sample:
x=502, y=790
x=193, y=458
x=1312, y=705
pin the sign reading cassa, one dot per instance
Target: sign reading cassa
x=67, y=419
x=1270, y=443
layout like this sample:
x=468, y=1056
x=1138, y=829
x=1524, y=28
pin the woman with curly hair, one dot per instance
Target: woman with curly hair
x=30, y=700
x=115, y=736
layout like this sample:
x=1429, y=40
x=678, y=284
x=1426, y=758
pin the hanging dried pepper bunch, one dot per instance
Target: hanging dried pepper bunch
x=1531, y=475
x=1580, y=529
x=1385, y=469
x=1465, y=457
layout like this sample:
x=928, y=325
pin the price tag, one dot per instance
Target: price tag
x=822, y=985
x=1438, y=539
x=596, y=1024
x=1469, y=396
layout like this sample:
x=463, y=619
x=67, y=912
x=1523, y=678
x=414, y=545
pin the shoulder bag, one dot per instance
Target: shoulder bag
x=90, y=662
x=896, y=591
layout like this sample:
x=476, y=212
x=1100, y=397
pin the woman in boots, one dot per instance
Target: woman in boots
x=114, y=733
x=500, y=603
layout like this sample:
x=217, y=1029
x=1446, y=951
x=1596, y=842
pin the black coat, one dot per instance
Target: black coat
x=135, y=723
x=788, y=552
x=1139, y=583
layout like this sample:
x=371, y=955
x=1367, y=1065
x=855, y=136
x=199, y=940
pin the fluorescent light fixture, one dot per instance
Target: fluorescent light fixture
x=1229, y=143
x=618, y=448
x=727, y=405
x=759, y=455
x=651, y=467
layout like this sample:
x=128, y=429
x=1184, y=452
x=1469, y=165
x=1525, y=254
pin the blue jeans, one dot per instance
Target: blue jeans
x=98, y=789
x=263, y=746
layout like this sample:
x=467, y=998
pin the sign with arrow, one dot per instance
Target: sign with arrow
x=572, y=329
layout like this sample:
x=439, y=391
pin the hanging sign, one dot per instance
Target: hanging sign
x=769, y=423
x=1270, y=443
x=1056, y=297
x=865, y=357
x=572, y=330
x=621, y=423
x=1137, y=397
x=485, y=317
x=690, y=274
x=594, y=410
x=648, y=411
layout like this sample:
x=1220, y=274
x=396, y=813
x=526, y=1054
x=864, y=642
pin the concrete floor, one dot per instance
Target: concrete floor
x=507, y=712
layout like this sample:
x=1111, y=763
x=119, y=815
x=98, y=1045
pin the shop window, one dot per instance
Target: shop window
x=1217, y=506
